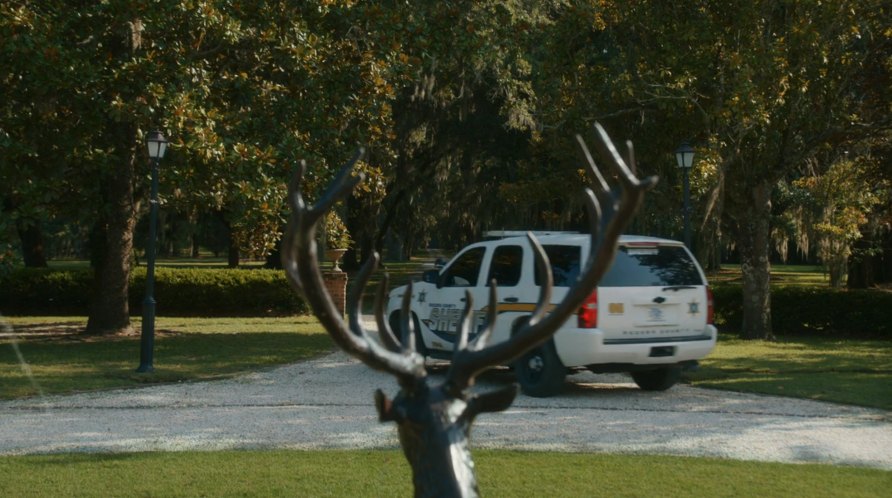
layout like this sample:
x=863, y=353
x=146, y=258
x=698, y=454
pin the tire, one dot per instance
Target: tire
x=659, y=379
x=540, y=372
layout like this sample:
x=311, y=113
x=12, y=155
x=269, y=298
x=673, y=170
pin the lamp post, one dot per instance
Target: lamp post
x=684, y=156
x=157, y=145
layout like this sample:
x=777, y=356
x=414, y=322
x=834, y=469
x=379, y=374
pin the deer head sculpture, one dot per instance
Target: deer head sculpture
x=434, y=416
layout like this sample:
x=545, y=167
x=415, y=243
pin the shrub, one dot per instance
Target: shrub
x=814, y=311
x=178, y=291
x=50, y=292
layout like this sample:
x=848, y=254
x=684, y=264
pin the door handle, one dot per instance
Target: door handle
x=511, y=299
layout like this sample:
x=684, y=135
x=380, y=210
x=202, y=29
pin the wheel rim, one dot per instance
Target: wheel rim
x=533, y=366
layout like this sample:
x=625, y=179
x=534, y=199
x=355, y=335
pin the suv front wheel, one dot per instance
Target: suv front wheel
x=659, y=379
x=540, y=372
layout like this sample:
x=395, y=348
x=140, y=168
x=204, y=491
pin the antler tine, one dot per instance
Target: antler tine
x=407, y=328
x=467, y=363
x=615, y=161
x=544, y=301
x=464, y=326
x=341, y=186
x=492, y=311
x=384, y=330
x=354, y=297
x=631, y=162
x=458, y=377
x=623, y=202
x=592, y=168
x=303, y=273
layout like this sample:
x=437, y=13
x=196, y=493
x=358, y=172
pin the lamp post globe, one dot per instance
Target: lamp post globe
x=157, y=146
x=684, y=157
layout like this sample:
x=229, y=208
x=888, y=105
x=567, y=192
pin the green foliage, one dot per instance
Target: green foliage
x=7, y=259
x=178, y=292
x=45, y=291
x=830, y=209
x=813, y=311
x=335, y=232
x=468, y=109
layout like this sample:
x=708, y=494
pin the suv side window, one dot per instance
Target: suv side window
x=465, y=270
x=505, y=266
x=564, y=265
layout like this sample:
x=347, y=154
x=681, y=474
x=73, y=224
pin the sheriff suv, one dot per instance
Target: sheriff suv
x=651, y=315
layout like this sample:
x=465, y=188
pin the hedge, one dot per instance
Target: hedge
x=813, y=311
x=178, y=292
x=796, y=310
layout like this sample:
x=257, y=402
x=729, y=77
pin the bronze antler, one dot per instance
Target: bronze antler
x=434, y=418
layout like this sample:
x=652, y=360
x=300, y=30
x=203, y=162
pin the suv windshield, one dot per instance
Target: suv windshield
x=657, y=266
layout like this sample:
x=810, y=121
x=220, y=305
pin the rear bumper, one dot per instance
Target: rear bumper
x=586, y=347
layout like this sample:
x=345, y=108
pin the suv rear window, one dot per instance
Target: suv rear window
x=657, y=266
x=651, y=266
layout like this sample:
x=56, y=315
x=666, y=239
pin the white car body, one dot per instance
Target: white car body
x=659, y=318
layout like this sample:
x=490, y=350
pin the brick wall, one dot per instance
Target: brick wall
x=336, y=285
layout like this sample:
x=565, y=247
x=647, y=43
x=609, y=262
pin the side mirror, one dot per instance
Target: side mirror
x=430, y=276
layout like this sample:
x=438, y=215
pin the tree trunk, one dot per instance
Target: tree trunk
x=32, y=244
x=112, y=243
x=390, y=211
x=232, y=260
x=837, y=266
x=871, y=261
x=753, y=242
x=274, y=259
x=193, y=234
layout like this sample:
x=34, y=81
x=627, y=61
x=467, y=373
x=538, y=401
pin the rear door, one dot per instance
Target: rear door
x=654, y=292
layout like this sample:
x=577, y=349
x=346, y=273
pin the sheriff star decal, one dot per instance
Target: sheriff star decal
x=422, y=296
x=693, y=308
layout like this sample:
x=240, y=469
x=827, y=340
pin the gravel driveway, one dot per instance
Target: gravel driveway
x=327, y=403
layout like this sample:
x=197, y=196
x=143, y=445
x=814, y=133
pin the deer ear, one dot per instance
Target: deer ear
x=494, y=401
x=386, y=411
x=384, y=406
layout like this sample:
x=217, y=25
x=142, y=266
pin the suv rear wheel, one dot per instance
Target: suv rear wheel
x=540, y=372
x=659, y=379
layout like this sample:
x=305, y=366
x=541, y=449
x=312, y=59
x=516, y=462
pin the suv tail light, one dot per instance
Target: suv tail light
x=587, y=316
x=710, y=307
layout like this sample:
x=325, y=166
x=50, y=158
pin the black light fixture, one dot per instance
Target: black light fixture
x=157, y=146
x=684, y=156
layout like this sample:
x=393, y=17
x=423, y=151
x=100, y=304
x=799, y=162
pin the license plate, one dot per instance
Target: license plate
x=655, y=315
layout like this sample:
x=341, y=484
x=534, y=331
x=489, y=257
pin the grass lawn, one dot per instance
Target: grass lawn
x=385, y=473
x=851, y=372
x=781, y=275
x=57, y=360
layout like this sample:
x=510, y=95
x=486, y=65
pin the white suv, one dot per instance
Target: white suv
x=651, y=314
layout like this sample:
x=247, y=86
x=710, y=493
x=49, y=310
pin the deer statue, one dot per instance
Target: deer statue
x=434, y=416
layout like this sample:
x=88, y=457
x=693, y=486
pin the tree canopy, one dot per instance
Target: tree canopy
x=467, y=110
